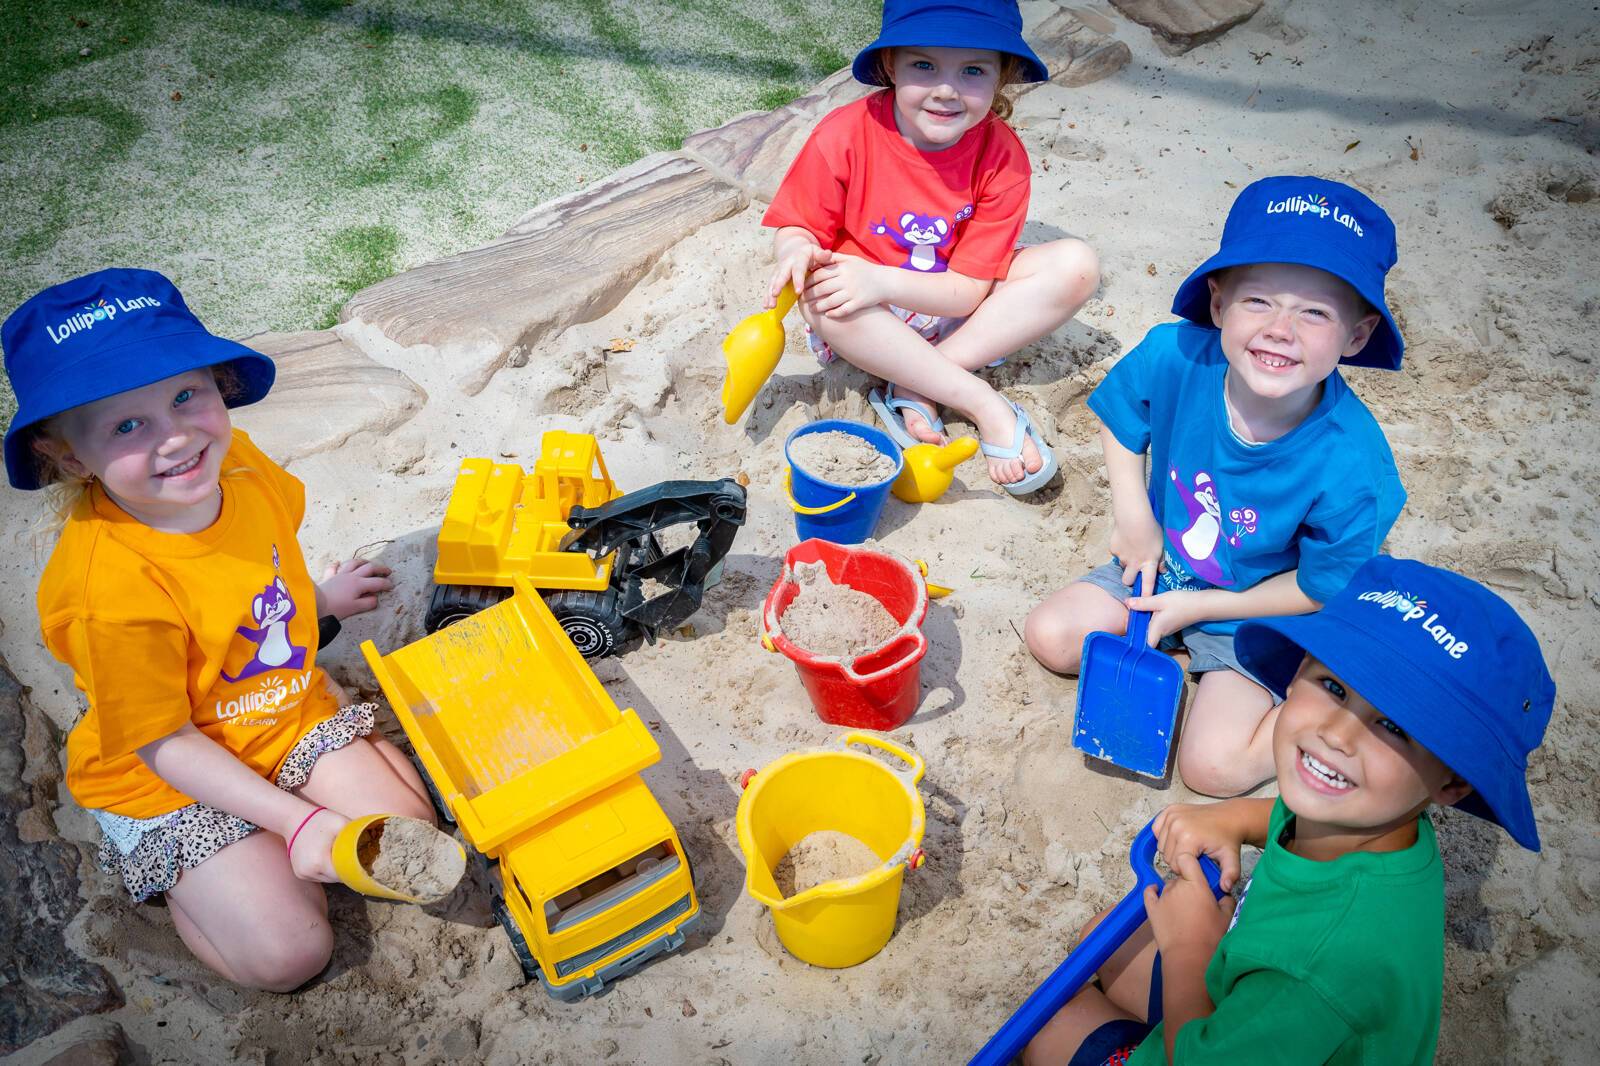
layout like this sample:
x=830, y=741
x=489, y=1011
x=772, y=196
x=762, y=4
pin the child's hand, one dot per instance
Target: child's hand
x=843, y=285
x=1172, y=612
x=1137, y=541
x=795, y=262
x=311, y=858
x=352, y=587
x=1186, y=919
x=1196, y=829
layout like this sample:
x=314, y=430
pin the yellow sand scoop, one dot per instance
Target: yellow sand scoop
x=752, y=351
x=394, y=857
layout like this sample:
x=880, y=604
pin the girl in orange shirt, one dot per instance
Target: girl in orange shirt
x=178, y=595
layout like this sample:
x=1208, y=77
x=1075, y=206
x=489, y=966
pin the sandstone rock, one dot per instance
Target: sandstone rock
x=1179, y=25
x=43, y=983
x=1075, y=52
x=571, y=260
x=754, y=150
x=326, y=392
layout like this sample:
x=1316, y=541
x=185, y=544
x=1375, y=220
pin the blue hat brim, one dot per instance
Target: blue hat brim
x=1433, y=714
x=140, y=363
x=953, y=31
x=1383, y=350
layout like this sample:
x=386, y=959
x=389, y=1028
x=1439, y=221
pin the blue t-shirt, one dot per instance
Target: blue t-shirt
x=1321, y=498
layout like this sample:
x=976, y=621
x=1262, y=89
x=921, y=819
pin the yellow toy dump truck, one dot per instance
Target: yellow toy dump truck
x=526, y=753
x=594, y=553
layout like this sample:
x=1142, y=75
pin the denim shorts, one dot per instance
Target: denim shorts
x=1207, y=651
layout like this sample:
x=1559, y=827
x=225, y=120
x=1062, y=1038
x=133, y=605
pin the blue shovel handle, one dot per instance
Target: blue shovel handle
x=1138, y=621
x=1087, y=958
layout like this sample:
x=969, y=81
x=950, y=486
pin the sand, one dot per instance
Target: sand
x=1491, y=422
x=826, y=855
x=841, y=458
x=834, y=621
x=410, y=856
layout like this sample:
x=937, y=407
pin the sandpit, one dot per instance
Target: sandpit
x=841, y=458
x=834, y=621
x=1475, y=134
x=826, y=855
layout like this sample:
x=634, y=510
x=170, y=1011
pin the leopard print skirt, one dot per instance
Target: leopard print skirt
x=150, y=853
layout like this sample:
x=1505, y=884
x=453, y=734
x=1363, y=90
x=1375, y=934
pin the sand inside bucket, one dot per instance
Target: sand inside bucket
x=826, y=855
x=841, y=458
x=411, y=857
x=834, y=621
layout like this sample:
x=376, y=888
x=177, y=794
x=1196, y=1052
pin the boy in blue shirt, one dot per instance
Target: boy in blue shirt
x=1413, y=686
x=1268, y=479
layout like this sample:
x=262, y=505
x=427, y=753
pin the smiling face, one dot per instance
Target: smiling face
x=1348, y=772
x=1285, y=327
x=941, y=93
x=157, y=450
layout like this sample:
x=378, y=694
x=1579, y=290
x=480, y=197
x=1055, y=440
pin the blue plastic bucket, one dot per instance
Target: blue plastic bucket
x=843, y=514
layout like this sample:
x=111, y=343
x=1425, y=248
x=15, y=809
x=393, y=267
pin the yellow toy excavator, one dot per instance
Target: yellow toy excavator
x=594, y=552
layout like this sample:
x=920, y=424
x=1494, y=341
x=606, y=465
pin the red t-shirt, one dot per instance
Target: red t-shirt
x=859, y=188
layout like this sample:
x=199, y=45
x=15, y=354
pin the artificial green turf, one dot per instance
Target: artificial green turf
x=273, y=157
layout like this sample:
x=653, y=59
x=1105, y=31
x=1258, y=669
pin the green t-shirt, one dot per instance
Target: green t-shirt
x=1326, y=962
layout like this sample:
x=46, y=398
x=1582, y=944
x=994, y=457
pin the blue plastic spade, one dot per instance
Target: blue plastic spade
x=1086, y=959
x=1128, y=698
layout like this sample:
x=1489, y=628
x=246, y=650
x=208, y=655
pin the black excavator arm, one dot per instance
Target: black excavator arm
x=628, y=525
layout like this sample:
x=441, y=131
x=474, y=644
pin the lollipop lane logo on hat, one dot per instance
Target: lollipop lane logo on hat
x=1413, y=609
x=93, y=314
x=1315, y=204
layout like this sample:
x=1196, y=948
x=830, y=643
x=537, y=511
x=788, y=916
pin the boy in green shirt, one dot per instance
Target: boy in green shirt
x=1412, y=686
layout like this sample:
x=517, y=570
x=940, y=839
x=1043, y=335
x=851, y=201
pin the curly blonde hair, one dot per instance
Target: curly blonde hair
x=1011, y=68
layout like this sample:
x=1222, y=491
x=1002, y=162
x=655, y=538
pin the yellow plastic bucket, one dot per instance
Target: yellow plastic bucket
x=451, y=859
x=842, y=922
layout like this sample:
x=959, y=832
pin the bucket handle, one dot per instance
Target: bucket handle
x=919, y=645
x=800, y=508
x=911, y=758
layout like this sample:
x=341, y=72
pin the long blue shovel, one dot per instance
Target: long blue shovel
x=1086, y=959
x=1128, y=698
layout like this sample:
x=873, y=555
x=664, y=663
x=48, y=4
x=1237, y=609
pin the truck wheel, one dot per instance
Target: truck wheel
x=451, y=603
x=593, y=620
x=519, y=943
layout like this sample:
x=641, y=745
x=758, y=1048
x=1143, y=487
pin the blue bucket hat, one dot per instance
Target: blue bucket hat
x=1449, y=661
x=1313, y=222
x=994, y=25
x=104, y=333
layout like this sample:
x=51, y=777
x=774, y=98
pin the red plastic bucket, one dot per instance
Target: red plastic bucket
x=878, y=690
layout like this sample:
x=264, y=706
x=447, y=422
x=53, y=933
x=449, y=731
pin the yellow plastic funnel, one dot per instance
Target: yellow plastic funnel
x=929, y=469
x=841, y=922
x=441, y=857
x=752, y=351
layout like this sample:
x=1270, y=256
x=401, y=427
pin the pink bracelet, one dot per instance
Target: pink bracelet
x=295, y=835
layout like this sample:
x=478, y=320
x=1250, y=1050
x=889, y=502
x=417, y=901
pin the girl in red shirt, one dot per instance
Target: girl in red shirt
x=898, y=225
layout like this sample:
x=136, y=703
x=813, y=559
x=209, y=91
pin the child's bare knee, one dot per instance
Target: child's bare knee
x=1079, y=265
x=1049, y=637
x=1209, y=771
x=284, y=961
x=1072, y=270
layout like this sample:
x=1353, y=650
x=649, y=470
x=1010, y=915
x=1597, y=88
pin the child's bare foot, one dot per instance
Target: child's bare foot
x=997, y=428
x=915, y=421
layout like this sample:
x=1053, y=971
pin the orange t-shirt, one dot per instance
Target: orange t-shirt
x=859, y=188
x=217, y=627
